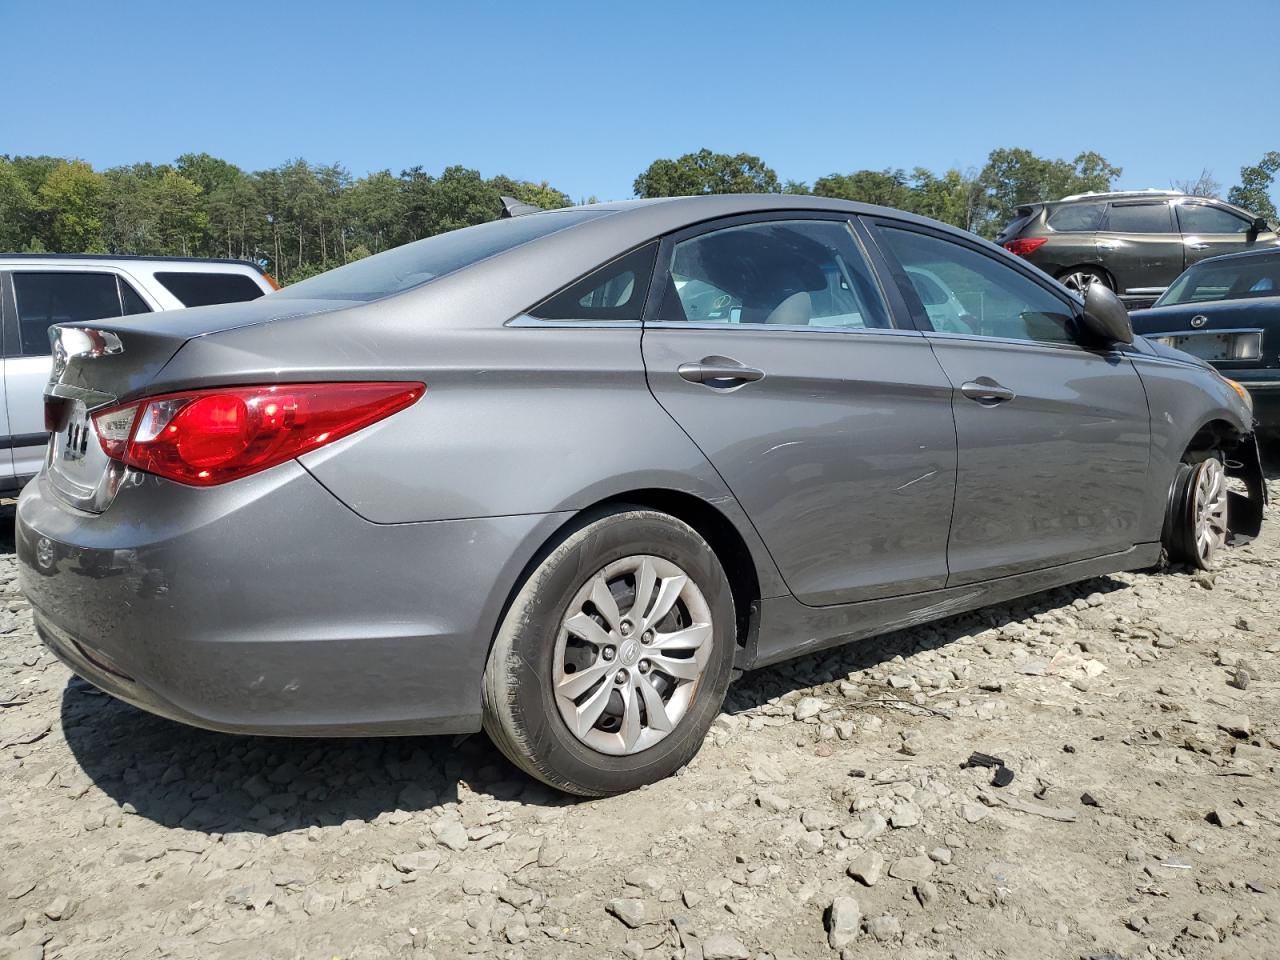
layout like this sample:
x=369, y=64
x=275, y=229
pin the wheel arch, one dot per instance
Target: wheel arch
x=1107, y=275
x=710, y=522
x=1240, y=455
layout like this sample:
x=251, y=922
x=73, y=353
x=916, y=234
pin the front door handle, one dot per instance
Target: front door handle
x=986, y=391
x=719, y=372
x=1198, y=246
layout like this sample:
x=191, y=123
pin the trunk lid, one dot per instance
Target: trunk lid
x=101, y=364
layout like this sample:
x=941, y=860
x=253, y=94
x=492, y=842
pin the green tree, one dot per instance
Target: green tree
x=706, y=172
x=17, y=208
x=886, y=187
x=1016, y=176
x=1254, y=190
x=71, y=201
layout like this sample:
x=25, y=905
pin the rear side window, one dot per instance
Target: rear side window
x=615, y=291
x=44, y=299
x=1201, y=218
x=1077, y=217
x=1021, y=217
x=1140, y=218
x=195, y=289
x=422, y=261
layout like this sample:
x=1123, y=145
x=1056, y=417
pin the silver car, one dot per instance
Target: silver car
x=564, y=475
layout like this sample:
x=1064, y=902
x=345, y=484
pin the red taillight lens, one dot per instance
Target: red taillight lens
x=206, y=437
x=1025, y=247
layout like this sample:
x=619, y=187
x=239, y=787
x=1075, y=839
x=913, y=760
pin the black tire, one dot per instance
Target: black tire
x=520, y=712
x=1086, y=275
x=1180, y=521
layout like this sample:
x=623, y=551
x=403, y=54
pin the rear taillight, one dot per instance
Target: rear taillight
x=206, y=437
x=1026, y=246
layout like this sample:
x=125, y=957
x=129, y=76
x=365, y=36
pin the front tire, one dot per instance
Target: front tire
x=614, y=657
x=1196, y=525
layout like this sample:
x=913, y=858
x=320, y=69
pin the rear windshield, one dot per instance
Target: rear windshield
x=196, y=289
x=1021, y=217
x=424, y=260
x=1233, y=279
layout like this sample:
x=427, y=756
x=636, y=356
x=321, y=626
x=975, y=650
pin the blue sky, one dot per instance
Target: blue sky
x=586, y=95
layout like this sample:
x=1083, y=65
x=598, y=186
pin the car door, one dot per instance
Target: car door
x=770, y=342
x=1141, y=247
x=7, y=341
x=1053, y=438
x=43, y=296
x=1208, y=230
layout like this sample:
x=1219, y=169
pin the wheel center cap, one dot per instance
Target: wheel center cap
x=629, y=653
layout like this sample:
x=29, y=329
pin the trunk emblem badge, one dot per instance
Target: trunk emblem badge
x=1199, y=320
x=44, y=553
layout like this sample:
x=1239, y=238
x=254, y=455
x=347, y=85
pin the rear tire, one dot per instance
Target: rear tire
x=1196, y=525
x=571, y=681
x=1079, y=279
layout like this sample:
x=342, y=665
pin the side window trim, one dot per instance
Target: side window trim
x=921, y=315
x=16, y=325
x=898, y=314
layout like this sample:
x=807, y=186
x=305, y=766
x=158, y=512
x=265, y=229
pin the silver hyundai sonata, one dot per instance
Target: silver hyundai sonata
x=563, y=475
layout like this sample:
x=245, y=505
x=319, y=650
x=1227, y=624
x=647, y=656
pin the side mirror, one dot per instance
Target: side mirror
x=1258, y=226
x=1105, y=317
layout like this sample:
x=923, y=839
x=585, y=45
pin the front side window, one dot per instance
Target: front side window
x=1077, y=218
x=792, y=273
x=615, y=291
x=1202, y=218
x=1233, y=278
x=200, y=289
x=964, y=291
x=1139, y=218
x=44, y=299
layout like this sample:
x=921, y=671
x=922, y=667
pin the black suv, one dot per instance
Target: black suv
x=1135, y=242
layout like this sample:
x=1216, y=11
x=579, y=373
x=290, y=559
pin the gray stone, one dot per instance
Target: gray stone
x=450, y=833
x=632, y=912
x=912, y=869
x=866, y=867
x=884, y=928
x=809, y=707
x=844, y=922
x=721, y=946
x=818, y=820
x=772, y=802
x=1237, y=725
x=905, y=813
x=61, y=908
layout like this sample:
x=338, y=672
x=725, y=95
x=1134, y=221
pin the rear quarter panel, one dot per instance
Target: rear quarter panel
x=515, y=420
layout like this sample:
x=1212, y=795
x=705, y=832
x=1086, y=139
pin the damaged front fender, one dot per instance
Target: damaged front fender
x=1244, y=510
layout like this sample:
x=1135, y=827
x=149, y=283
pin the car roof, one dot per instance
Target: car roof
x=1241, y=255
x=109, y=259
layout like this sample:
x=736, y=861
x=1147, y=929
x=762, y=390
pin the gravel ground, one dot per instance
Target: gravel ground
x=828, y=812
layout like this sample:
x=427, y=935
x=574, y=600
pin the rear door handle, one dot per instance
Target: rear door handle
x=986, y=391
x=719, y=371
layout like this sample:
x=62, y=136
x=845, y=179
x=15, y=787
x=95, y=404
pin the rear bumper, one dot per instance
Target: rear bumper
x=266, y=606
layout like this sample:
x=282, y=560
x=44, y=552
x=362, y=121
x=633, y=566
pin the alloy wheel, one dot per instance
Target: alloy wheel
x=1080, y=280
x=630, y=653
x=1210, y=510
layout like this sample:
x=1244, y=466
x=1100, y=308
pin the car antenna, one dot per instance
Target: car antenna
x=511, y=207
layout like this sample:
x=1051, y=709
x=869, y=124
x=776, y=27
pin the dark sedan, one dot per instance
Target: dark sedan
x=1226, y=310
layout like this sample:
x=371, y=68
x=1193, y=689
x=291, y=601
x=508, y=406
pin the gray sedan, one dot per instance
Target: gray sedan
x=563, y=475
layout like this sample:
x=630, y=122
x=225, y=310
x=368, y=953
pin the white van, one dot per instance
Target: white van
x=39, y=290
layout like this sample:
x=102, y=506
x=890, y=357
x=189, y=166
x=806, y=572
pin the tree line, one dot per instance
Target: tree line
x=301, y=218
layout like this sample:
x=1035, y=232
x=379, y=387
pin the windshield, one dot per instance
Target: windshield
x=424, y=260
x=1231, y=279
